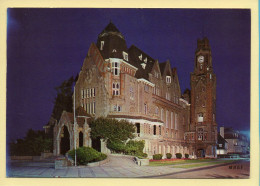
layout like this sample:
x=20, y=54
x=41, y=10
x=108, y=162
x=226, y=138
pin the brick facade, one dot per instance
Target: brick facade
x=123, y=83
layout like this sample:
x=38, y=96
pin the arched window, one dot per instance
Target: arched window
x=200, y=134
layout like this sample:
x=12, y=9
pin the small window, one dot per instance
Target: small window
x=93, y=92
x=140, y=57
x=116, y=89
x=200, y=117
x=168, y=79
x=157, y=111
x=220, y=145
x=154, y=130
x=145, y=108
x=87, y=93
x=146, y=88
x=102, y=45
x=125, y=55
x=145, y=60
x=115, y=68
x=114, y=50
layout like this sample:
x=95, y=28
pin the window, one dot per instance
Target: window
x=115, y=107
x=166, y=118
x=176, y=122
x=200, y=117
x=210, y=76
x=137, y=125
x=146, y=88
x=82, y=93
x=114, y=50
x=93, y=92
x=94, y=107
x=145, y=60
x=162, y=114
x=88, y=108
x=115, y=89
x=143, y=65
x=154, y=130
x=140, y=57
x=172, y=121
x=168, y=79
x=156, y=74
x=102, y=45
x=131, y=93
x=200, y=134
x=157, y=111
x=115, y=68
x=125, y=55
x=90, y=92
x=160, y=130
x=145, y=109
x=220, y=145
x=87, y=93
x=168, y=96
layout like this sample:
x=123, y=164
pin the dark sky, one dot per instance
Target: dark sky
x=47, y=46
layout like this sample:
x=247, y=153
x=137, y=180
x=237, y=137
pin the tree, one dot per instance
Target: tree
x=33, y=144
x=63, y=100
x=112, y=130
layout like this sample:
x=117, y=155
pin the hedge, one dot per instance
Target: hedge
x=178, y=155
x=168, y=155
x=157, y=156
x=186, y=155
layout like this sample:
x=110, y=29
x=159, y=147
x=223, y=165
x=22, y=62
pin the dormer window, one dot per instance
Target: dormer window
x=143, y=65
x=125, y=55
x=168, y=79
x=140, y=57
x=114, y=51
x=145, y=60
x=102, y=45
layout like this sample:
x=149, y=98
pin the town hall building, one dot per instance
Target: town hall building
x=126, y=83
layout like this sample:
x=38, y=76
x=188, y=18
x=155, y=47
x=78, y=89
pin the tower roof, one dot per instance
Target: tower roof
x=110, y=29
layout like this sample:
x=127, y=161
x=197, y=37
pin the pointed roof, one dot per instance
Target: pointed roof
x=162, y=67
x=111, y=29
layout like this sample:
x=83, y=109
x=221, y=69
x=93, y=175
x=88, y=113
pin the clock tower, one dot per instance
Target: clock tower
x=203, y=102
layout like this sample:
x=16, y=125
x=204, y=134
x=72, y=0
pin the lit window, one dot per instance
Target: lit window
x=220, y=145
x=114, y=50
x=168, y=79
x=143, y=65
x=140, y=57
x=115, y=89
x=115, y=68
x=145, y=60
x=200, y=117
x=125, y=55
x=102, y=45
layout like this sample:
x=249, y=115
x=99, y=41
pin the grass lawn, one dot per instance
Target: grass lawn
x=200, y=162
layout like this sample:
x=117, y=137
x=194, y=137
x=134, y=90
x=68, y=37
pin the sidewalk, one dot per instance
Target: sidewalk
x=117, y=167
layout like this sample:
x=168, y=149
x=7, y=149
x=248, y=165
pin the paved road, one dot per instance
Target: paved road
x=118, y=166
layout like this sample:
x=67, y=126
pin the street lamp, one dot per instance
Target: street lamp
x=75, y=122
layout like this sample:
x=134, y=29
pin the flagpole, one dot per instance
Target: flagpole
x=75, y=121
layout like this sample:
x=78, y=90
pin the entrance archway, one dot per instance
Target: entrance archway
x=65, y=140
x=80, y=139
x=201, y=153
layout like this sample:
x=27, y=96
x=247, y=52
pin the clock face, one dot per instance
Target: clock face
x=201, y=59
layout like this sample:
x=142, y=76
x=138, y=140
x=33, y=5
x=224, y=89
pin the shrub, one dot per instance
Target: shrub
x=186, y=155
x=86, y=155
x=133, y=147
x=168, y=155
x=116, y=146
x=157, y=156
x=142, y=155
x=178, y=155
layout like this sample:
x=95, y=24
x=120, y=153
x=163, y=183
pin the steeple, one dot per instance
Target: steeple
x=111, y=42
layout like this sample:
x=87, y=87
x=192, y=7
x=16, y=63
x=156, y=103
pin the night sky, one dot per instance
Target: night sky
x=47, y=46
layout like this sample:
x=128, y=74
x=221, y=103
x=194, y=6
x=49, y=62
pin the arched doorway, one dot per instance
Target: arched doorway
x=96, y=144
x=65, y=140
x=80, y=139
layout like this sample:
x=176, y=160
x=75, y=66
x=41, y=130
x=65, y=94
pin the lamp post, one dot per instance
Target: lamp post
x=75, y=122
